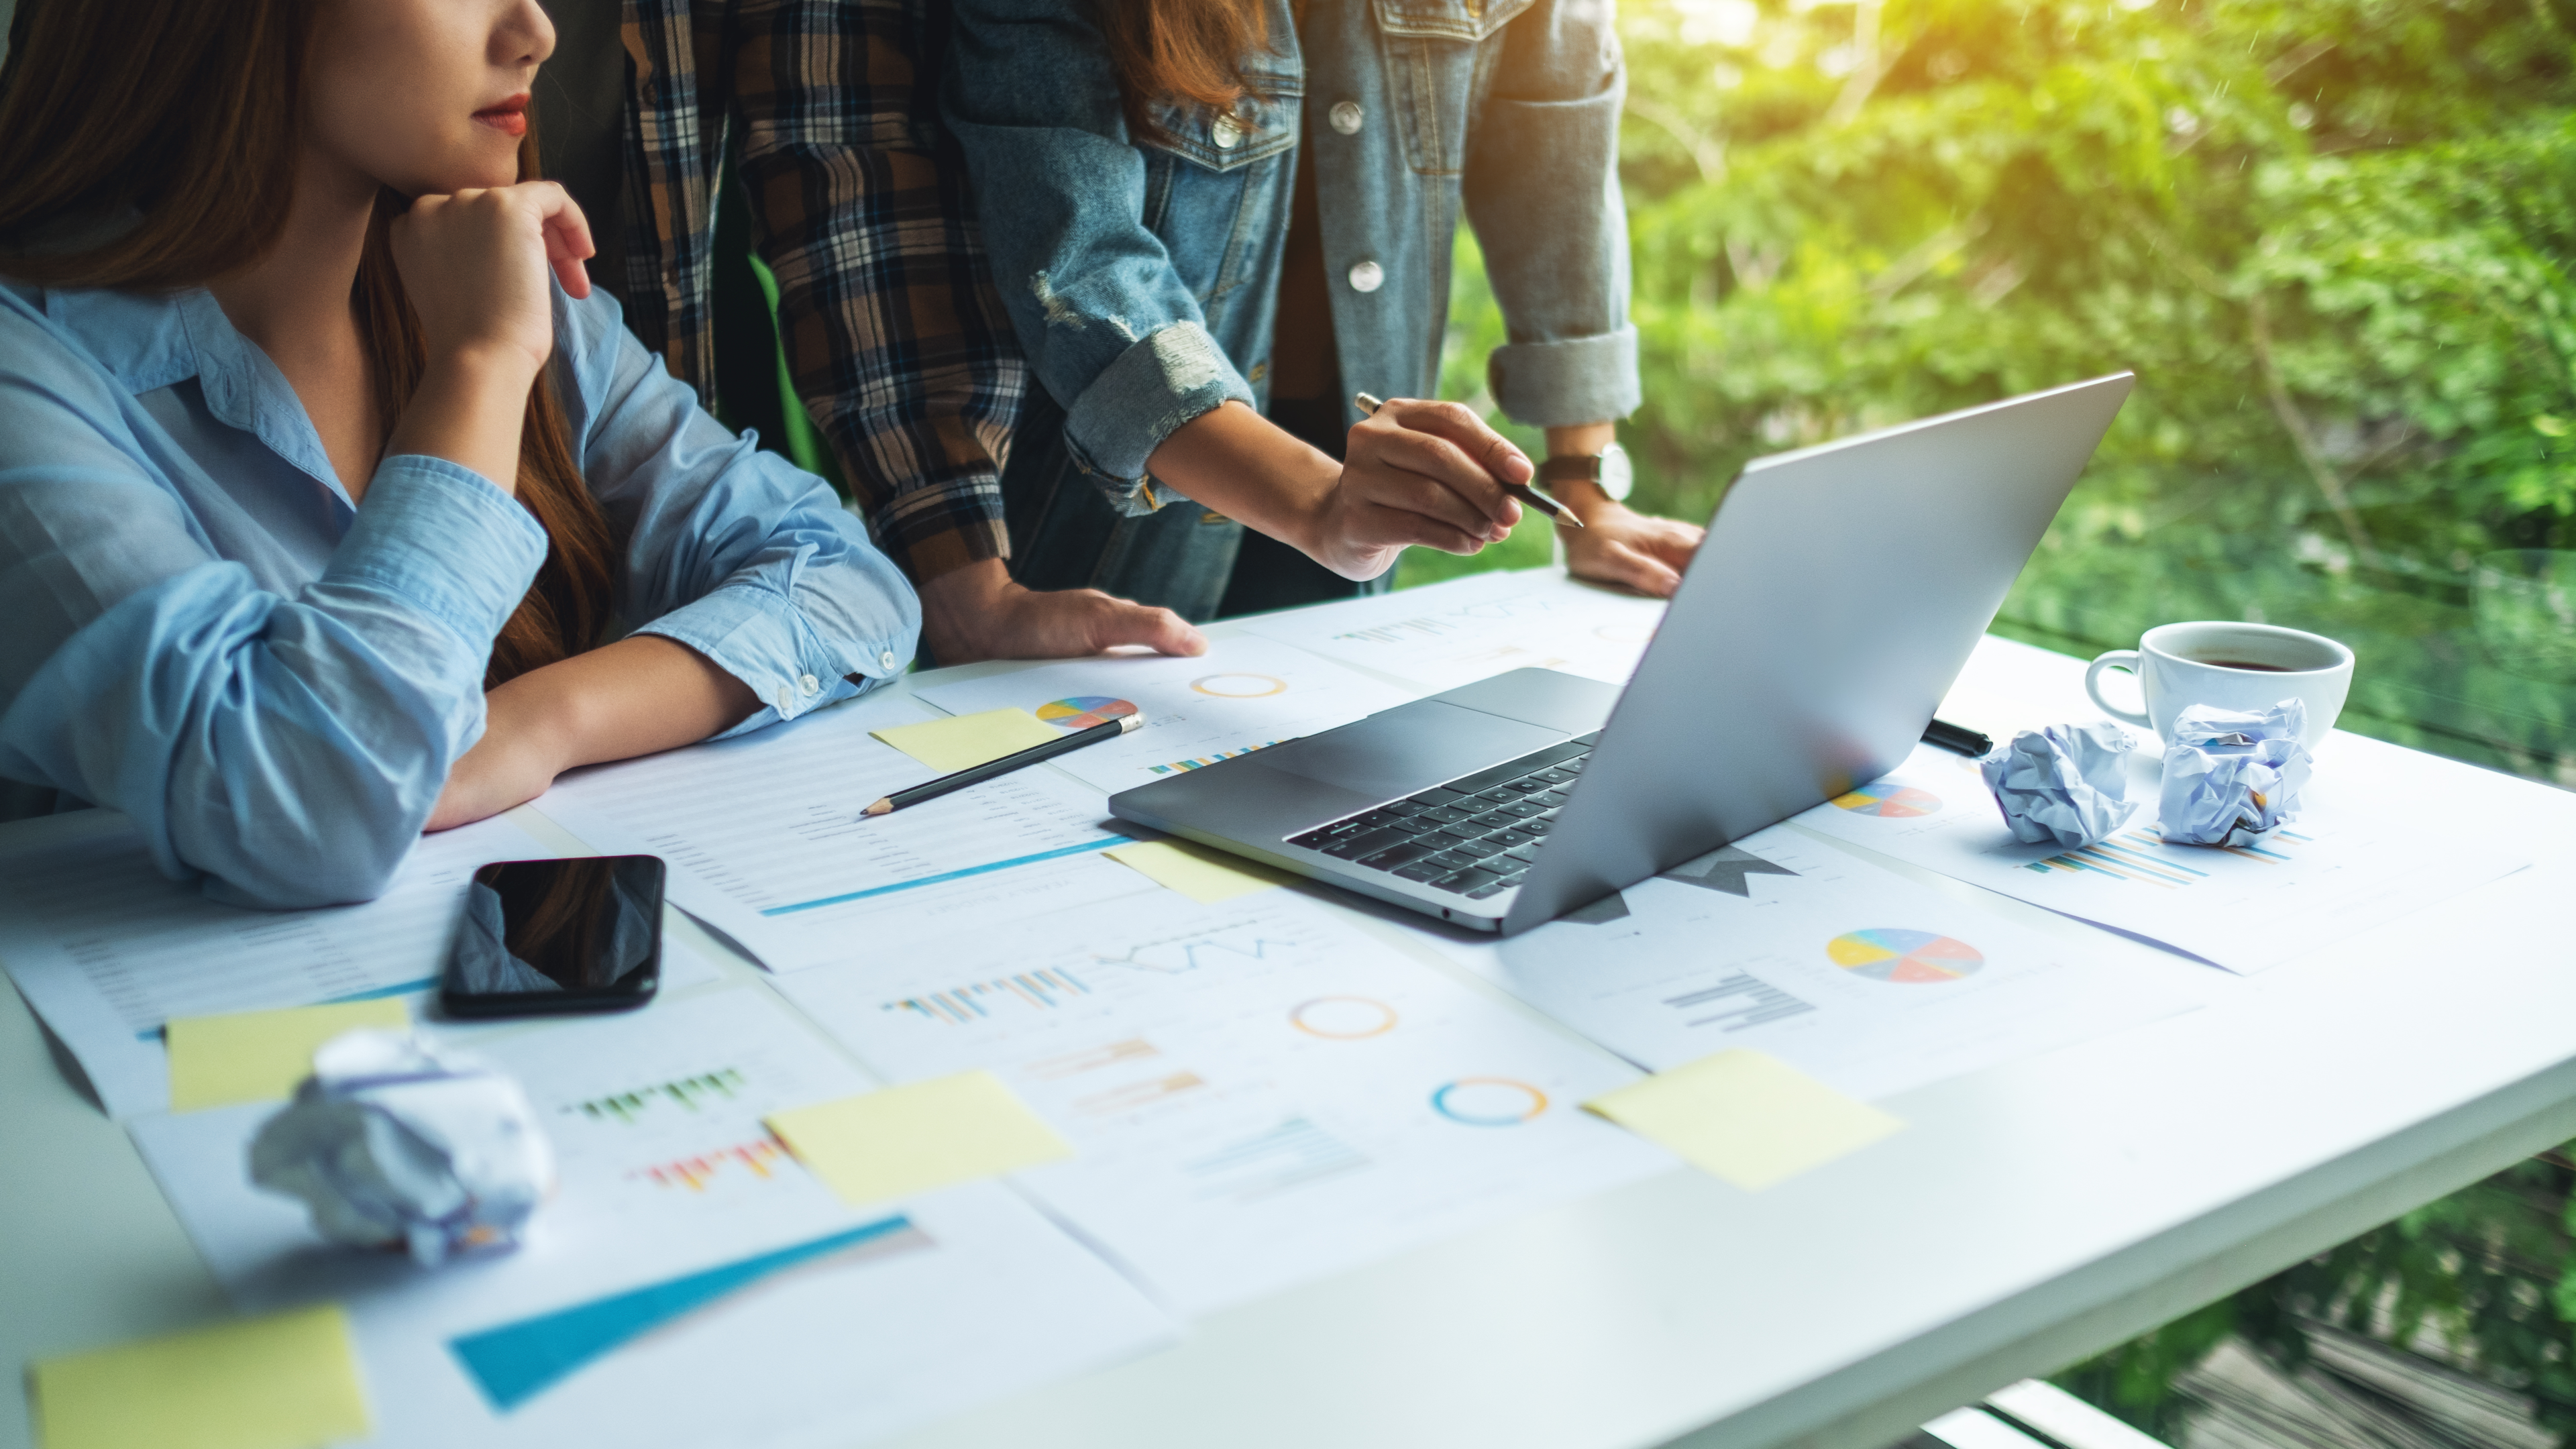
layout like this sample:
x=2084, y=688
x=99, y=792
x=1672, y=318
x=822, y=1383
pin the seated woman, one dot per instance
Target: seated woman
x=323, y=478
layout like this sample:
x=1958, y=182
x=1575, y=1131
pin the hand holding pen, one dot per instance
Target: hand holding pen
x=1519, y=490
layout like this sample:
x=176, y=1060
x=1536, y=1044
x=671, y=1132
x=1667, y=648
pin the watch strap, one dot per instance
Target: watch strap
x=1581, y=468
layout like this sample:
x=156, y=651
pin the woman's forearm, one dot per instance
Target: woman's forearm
x=638, y=696
x=1235, y=461
x=1418, y=472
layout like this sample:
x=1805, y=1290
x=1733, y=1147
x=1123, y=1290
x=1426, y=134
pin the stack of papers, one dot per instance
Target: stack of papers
x=1473, y=628
x=692, y=1283
x=1849, y=972
x=2342, y=867
x=1243, y=695
x=107, y=949
x=767, y=845
x=1257, y=1092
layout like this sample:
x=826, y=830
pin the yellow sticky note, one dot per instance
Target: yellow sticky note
x=282, y=1381
x=909, y=1139
x=1195, y=871
x=949, y=745
x=1749, y=1118
x=257, y=1056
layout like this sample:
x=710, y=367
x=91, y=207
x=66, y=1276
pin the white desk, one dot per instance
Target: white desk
x=2031, y=1215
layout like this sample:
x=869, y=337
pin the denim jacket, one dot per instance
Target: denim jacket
x=1142, y=274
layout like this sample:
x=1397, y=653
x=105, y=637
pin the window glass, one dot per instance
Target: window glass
x=2331, y=237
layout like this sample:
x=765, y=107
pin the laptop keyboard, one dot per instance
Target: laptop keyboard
x=1473, y=837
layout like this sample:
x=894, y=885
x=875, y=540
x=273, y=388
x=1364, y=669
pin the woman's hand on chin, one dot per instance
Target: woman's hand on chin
x=474, y=265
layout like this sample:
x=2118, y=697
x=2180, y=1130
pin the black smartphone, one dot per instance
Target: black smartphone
x=542, y=937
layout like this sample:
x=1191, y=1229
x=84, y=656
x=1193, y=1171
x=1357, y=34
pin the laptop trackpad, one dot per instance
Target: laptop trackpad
x=1409, y=748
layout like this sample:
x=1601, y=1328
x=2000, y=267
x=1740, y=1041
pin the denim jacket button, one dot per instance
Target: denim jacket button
x=1226, y=133
x=1346, y=117
x=1367, y=277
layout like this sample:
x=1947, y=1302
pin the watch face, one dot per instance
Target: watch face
x=1617, y=474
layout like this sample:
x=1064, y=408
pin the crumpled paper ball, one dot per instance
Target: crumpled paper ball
x=393, y=1144
x=2230, y=776
x=2066, y=785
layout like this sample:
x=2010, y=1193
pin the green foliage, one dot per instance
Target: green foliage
x=2463, y=1278
x=2330, y=236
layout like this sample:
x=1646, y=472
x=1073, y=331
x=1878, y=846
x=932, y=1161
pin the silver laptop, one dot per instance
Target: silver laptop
x=1839, y=593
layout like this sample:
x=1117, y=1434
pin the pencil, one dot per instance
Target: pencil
x=1017, y=760
x=1368, y=403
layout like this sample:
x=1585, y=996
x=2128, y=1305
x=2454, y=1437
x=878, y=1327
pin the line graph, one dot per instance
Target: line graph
x=1176, y=954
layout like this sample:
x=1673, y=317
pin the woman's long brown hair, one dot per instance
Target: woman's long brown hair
x=1185, y=51
x=187, y=113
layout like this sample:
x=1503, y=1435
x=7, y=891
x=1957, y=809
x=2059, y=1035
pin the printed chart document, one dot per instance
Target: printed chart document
x=1846, y=971
x=107, y=949
x=1242, y=695
x=1473, y=628
x=2341, y=867
x=1257, y=1092
x=766, y=843
x=691, y=1283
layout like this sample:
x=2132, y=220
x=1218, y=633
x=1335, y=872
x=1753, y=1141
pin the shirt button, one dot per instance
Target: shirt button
x=786, y=701
x=1345, y=117
x=886, y=660
x=1367, y=277
x=809, y=684
x=1226, y=133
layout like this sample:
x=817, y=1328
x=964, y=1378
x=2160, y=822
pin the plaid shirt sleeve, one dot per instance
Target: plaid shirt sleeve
x=894, y=337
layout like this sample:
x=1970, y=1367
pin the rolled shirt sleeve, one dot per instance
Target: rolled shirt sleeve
x=726, y=548
x=288, y=746
x=899, y=346
x=277, y=698
x=1109, y=326
x=1571, y=355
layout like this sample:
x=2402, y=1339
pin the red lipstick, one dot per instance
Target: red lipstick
x=510, y=117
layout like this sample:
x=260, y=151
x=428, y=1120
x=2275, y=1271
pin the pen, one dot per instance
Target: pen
x=1108, y=729
x=1522, y=491
x=1958, y=738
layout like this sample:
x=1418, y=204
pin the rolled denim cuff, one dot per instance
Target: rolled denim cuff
x=1143, y=397
x=1567, y=384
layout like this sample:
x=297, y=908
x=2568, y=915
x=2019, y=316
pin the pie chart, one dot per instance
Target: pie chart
x=1914, y=958
x=1892, y=801
x=1083, y=711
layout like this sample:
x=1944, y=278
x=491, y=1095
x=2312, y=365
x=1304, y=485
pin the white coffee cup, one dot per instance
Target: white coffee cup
x=2247, y=667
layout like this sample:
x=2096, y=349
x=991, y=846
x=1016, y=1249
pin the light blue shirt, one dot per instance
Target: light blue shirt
x=198, y=628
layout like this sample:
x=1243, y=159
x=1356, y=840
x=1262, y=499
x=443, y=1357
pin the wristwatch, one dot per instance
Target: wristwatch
x=1609, y=468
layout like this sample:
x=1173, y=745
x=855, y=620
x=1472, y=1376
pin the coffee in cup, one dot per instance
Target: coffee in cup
x=2244, y=667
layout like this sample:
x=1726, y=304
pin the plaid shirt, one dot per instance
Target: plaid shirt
x=859, y=206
